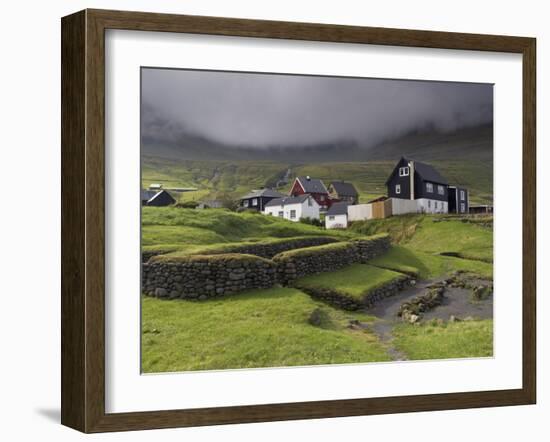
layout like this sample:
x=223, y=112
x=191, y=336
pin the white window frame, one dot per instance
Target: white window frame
x=281, y=214
x=397, y=189
x=462, y=195
x=435, y=204
x=462, y=207
x=440, y=190
x=429, y=188
x=331, y=217
x=429, y=204
x=292, y=214
x=245, y=203
x=254, y=201
x=309, y=202
x=404, y=171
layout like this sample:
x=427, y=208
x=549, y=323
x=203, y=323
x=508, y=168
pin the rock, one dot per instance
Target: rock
x=316, y=317
x=161, y=293
x=413, y=318
x=203, y=298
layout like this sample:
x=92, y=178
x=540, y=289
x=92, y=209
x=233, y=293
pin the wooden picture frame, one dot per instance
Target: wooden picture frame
x=83, y=220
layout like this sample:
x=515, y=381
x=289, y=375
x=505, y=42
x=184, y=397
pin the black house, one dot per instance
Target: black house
x=414, y=180
x=257, y=199
x=458, y=200
x=156, y=198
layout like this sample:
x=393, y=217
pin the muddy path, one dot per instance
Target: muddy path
x=457, y=302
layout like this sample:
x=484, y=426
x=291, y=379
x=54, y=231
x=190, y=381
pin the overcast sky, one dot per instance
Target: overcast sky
x=260, y=110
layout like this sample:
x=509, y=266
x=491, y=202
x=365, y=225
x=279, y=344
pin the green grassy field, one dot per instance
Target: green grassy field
x=406, y=259
x=354, y=281
x=430, y=235
x=466, y=339
x=175, y=229
x=270, y=327
x=267, y=328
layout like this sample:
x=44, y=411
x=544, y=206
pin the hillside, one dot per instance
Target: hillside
x=464, y=158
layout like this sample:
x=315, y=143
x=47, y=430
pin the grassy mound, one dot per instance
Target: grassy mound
x=354, y=281
x=427, y=234
x=407, y=259
x=235, y=247
x=169, y=228
x=265, y=328
x=432, y=340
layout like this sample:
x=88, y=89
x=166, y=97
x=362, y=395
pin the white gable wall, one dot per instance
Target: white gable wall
x=302, y=210
x=336, y=221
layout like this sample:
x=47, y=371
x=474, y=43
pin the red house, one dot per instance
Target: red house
x=316, y=188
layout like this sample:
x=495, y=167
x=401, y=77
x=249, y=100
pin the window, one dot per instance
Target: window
x=403, y=171
x=322, y=197
x=245, y=203
x=280, y=214
x=309, y=202
x=435, y=204
x=462, y=207
x=429, y=187
x=462, y=195
x=441, y=190
x=255, y=201
x=331, y=217
x=429, y=204
x=398, y=188
x=293, y=214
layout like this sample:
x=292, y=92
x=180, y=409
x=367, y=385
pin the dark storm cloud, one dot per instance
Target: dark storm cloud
x=263, y=110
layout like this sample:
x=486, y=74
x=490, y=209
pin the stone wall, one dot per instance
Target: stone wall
x=206, y=276
x=346, y=302
x=295, y=264
x=272, y=248
x=267, y=249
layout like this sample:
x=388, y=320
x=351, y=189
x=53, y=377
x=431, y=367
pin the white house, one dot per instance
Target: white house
x=337, y=216
x=293, y=207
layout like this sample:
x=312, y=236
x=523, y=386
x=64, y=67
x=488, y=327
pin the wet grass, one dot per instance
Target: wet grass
x=262, y=328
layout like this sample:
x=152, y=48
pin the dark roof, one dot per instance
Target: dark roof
x=312, y=185
x=344, y=189
x=268, y=193
x=146, y=195
x=160, y=193
x=426, y=172
x=340, y=208
x=288, y=200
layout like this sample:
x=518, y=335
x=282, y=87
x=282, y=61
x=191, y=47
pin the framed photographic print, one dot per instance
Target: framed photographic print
x=269, y=220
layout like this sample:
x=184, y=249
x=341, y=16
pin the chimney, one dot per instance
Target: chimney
x=411, y=178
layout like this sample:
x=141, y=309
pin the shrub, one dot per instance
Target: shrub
x=187, y=205
x=311, y=221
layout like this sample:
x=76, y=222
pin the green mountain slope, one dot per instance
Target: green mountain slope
x=465, y=158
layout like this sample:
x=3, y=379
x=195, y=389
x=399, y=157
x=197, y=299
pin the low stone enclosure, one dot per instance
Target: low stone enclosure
x=302, y=262
x=263, y=249
x=345, y=302
x=207, y=276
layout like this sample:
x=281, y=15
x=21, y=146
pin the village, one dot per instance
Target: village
x=412, y=187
